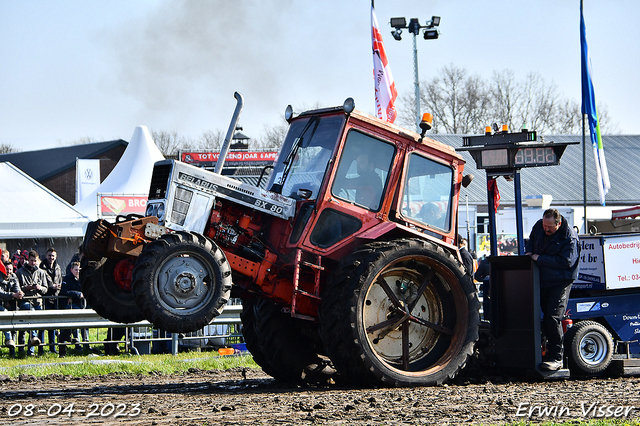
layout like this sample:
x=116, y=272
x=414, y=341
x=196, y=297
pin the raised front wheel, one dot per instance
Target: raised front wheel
x=106, y=285
x=400, y=313
x=181, y=281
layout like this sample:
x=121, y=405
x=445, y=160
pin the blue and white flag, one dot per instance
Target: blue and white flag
x=589, y=108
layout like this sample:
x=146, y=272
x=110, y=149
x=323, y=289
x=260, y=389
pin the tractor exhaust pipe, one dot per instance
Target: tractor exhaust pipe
x=232, y=126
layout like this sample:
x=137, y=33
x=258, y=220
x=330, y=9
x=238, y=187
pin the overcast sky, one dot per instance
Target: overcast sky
x=74, y=69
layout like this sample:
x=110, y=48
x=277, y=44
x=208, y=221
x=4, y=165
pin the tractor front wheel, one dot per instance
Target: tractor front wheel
x=106, y=286
x=181, y=281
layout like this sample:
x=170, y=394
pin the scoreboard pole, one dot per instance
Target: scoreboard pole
x=518, y=197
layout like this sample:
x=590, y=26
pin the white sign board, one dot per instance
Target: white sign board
x=591, y=268
x=622, y=255
x=87, y=177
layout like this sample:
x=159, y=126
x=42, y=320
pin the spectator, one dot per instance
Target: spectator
x=116, y=333
x=77, y=257
x=19, y=258
x=467, y=259
x=482, y=276
x=33, y=282
x=72, y=298
x=484, y=267
x=5, y=257
x=52, y=268
x=9, y=293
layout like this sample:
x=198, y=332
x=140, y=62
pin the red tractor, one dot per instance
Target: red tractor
x=345, y=263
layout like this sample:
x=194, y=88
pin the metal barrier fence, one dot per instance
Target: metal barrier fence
x=138, y=336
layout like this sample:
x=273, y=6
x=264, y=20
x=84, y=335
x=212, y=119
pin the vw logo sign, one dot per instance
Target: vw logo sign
x=88, y=174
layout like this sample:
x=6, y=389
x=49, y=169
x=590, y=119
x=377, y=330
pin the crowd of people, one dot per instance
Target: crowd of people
x=28, y=283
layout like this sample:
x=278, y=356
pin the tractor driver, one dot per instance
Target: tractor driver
x=368, y=185
x=430, y=214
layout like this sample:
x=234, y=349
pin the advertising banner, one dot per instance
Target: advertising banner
x=209, y=159
x=591, y=268
x=622, y=254
x=113, y=205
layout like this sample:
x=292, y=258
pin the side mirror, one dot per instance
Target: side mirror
x=304, y=194
x=466, y=180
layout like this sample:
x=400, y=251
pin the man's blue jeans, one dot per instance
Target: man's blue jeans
x=7, y=334
x=26, y=306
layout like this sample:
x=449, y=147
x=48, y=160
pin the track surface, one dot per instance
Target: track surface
x=249, y=397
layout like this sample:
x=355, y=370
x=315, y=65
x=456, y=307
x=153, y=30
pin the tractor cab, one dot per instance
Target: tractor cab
x=354, y=177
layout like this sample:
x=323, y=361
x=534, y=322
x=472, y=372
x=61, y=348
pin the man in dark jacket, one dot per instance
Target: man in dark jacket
x=555, y=248
x=9, y=293
x=53, y=270
x=72, y=290
x=34, y=283
x=467, y=259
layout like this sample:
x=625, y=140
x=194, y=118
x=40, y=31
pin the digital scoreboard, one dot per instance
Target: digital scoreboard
x=505, y=152
x=524, y=157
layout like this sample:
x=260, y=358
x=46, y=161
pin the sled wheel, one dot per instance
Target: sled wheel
x=399, y=313
x=181, y=282
x=590, y=347
x=108, y=293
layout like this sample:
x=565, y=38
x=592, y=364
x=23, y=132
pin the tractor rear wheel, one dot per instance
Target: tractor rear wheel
x=250, y=334
x=399, y=313
x=106, y=285
x=288, y=345
x=181, y=281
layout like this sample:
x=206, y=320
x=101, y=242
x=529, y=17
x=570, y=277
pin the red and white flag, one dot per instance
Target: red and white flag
x=386, y=93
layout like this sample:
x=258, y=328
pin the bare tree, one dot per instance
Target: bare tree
x=211, y=140
x=6, y=148
x=477, y=105
x=406, y=106
x=272, y=136
x=168, y=142
x=458, y=101
x=443, y=97
x=568, y=118
x=465, y=104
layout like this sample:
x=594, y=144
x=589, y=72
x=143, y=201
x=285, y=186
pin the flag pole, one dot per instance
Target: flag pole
x=584, y=150
x=584, y=174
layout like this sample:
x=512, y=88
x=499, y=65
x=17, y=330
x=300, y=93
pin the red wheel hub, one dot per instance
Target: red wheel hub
x=123, y=273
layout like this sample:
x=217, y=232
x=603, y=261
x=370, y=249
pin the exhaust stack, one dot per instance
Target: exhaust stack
x=227, y=140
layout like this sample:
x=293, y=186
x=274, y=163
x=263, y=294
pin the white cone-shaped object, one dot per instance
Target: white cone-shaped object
x=132, y=174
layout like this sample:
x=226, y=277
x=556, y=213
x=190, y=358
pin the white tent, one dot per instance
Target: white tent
x=131, y=176
x=30, y=210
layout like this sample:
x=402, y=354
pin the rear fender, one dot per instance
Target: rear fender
x=393, y=230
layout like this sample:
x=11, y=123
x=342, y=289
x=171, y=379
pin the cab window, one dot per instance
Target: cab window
x=427, y=192
x=363, y=170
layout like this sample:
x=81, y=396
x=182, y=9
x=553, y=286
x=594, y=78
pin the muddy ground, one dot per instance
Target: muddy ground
x=249, y=397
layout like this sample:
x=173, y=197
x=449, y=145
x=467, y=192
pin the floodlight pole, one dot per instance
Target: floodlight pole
x=416, y=81
x=414, y=28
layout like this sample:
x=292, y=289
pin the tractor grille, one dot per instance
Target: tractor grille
x=181, y=205
x=160, y=181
